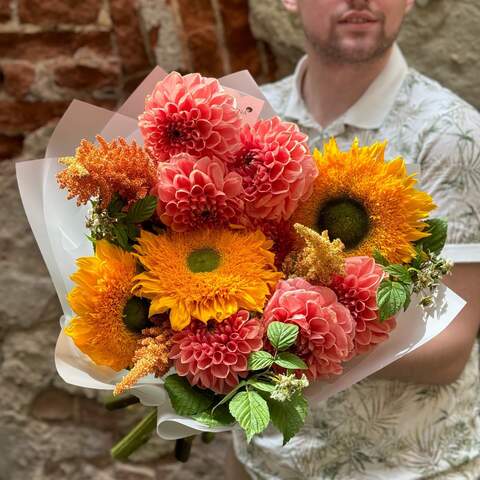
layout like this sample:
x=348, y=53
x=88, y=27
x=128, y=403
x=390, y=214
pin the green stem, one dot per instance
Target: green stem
x=207, y=437
x=183, y=447
x=138, y=436
x=115, y=403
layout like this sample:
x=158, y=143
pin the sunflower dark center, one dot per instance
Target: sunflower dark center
x=346, y=219
x=203, y=260
x=135, y=314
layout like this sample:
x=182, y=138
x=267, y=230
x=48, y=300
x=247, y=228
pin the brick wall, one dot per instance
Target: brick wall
x=52, y=51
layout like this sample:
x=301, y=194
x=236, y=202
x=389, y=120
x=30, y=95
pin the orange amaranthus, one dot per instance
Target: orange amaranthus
x=99, y=171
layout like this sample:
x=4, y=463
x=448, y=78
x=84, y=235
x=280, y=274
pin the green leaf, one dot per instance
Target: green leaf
x=288, y=417
x=379, y=258
x=391, y=296
x=399, y=272
x=121, y=236
x=290, y=361
x=115, y=206
x=229, y=395
x=185, y=399
x=132, y=231
x=260, y=385
x=437, y=227
x=282, y=335
x=259, y=360
x=142, y=209
x=218, y=418
x=251, y=412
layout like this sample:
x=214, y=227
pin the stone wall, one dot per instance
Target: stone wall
x=52, y=51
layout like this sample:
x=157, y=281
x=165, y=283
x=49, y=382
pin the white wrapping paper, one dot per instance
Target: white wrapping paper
x=59, y=229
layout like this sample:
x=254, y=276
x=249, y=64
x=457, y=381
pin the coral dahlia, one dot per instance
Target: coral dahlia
x=326, y=326
x=357, y=290
x=197, y=193
x=215, y=355
x=191, y=114
x=276, y=166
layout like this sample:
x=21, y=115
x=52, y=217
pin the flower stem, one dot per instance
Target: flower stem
x=115, y=403
x=183, y=447
x=207, y=437
x=138, y=436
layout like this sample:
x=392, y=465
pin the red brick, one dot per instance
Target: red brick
x=44, y=45
x=51, y=12
x=242, y=46
x=5, y=11
x=86, y=77
x=17, y=117
x=10, y=146
x=199, y=27
x=131, y=45
x=18, y=78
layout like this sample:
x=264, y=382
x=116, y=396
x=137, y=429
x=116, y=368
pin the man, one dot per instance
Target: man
x=417, y=418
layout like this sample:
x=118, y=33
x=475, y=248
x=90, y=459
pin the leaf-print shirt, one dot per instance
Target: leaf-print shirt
x=379, y=429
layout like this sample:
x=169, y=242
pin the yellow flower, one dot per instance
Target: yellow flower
x=205, y=274
x=318, y=260
x=103, y=289
x=366, y=202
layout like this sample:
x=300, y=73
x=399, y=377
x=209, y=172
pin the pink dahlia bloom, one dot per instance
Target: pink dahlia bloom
x=191, y=114
x=215, y=355
x=197, y=193
x=326, y=328
x=277, y=168
x=357, y=290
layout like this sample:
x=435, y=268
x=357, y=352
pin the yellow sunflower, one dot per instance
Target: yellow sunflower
x=101, y=300
x=366, y=202
x=205, y=274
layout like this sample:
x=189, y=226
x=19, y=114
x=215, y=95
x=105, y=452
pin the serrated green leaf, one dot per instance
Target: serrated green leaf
x=259, y=360
x=379, y=258
x=132, y=231
x=185, y=399
x=290, y=361
x=399, y=272
x=391, y=296
x=288, y=417
x=229, y=395
x=260, y=385
x=142, y=209
x=437, y=227
x=282, y=335
x=251, y=412
x=121, y=236
x=115, y=206
x=218, y=418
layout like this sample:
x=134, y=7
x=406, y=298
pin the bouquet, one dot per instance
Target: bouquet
x=218, y=270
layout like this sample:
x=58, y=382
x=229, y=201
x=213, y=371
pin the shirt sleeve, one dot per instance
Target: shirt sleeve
x=450, y=172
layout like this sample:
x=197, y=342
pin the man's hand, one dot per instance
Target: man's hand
x=442, y=359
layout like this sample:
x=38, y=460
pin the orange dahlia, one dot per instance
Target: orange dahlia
x=190, y=114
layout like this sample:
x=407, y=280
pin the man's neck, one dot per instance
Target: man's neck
x=329, y=89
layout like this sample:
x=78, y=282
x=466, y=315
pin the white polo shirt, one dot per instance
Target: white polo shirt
x=381, y=429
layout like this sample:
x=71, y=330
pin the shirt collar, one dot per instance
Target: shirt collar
x=371, y=108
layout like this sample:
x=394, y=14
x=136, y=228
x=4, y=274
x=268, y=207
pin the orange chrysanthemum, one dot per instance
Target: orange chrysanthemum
x=104, y=284
x=366, y=202
x=99, y=171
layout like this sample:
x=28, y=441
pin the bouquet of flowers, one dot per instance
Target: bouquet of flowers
x=223, y=268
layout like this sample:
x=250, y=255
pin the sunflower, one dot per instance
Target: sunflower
x=105, y=309
x=366, y=202
x=205, y=274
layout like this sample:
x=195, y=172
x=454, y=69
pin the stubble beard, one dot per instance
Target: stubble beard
x=332, y=51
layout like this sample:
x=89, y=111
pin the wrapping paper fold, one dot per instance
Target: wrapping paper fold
x=59, y=229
